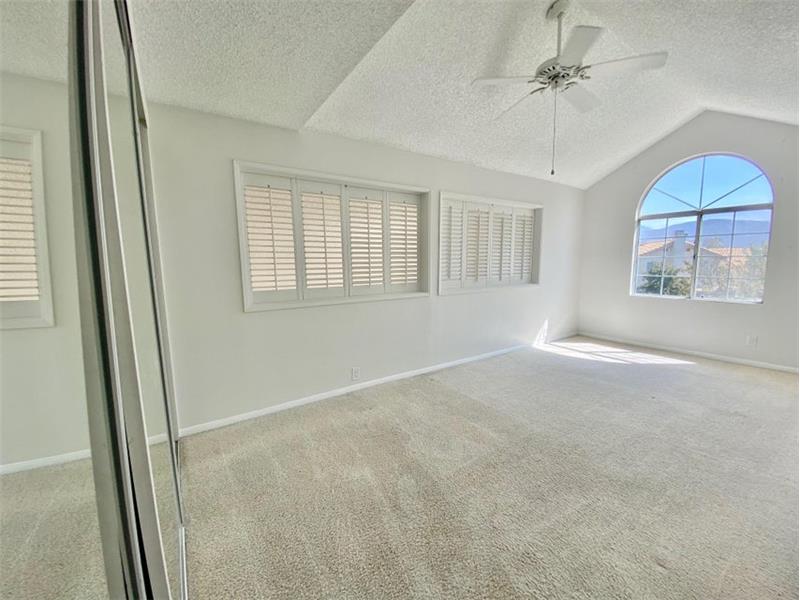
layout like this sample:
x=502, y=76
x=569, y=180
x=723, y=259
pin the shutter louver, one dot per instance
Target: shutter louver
x=477, y=243
x=450, y=244
x=270, y=238
x=18, y=266
x=523, y=245
x=366, y=242
x=322, y=240
x=500, y=264
x=403, y=242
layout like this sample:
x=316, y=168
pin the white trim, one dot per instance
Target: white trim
x=43, y=307
x=465, y=201
x=698, y=353
x=302, y=297
x=321, y=176
x=489, y=288
x=699, y=213
x=45, y=461
x=334, y=301
x=48, y=461
x=193, y=429
x=444, y=194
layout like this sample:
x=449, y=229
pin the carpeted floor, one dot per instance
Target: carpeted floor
x=49, y=537
x=580, y=470
x=584, y=471
x=50, y=547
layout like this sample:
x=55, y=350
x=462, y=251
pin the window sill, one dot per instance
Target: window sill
x=317, y=302
x=487, y=288
x=715, y=300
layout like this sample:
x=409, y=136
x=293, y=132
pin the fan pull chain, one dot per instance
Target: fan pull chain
x=553, y=159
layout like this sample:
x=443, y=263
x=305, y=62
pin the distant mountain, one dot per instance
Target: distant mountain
x=715, y=227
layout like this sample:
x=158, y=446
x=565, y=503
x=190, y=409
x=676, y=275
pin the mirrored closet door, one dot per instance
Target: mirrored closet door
x=89, y=482
x=140, y=268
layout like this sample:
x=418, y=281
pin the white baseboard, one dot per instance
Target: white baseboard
x=58, y=459
x=184, y=431
x=709, y=355
x=191, y=430
x=71, y=456
x=45, y=461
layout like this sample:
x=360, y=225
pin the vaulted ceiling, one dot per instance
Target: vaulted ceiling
x=399, y=72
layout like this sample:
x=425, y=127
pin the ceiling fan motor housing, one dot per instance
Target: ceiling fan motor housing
x=552, y=74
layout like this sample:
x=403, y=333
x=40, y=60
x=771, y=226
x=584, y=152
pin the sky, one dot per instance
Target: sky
x=714, y=181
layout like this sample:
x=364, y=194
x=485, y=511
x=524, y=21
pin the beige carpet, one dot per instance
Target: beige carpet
x=584, y=471
x=50, y=545
x=49, y=537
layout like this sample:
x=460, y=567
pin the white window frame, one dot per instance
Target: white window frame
x=699, y=214
x=32, y=313
x=447, y=287
x=305, y=180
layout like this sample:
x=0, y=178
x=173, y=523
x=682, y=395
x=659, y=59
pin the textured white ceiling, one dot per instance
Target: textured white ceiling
x=413, y=89
x=33, y=38
x=274, y=61
x=399, y=73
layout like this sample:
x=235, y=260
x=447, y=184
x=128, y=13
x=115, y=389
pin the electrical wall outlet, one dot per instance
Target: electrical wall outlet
x=751, y=340
x=355, y=373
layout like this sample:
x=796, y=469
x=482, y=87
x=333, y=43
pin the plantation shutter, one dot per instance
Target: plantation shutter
x=269, y=224
x=477, y=244
x=451, y=239
x=25, y=293
x=403, y=241
x=321, y=205
x=366, y=240
x=500, y=263
x=19, y=279
x=523, y=245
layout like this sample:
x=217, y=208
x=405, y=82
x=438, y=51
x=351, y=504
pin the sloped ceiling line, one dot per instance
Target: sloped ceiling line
x=316, y=109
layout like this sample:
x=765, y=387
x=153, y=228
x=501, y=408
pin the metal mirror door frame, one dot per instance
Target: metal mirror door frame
x=155, y=271
x=129, y=527
x=154, y=263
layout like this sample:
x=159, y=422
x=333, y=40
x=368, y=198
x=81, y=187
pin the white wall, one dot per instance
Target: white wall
x=42, y=395
x=228, y=362
x=606, y=307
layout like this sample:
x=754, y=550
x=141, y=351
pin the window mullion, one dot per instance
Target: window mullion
x=512, y=275
x=386, y=239
x=299, y=240
x=696, y=253
x=464, y=212
x=344, y=217
x=730, y=259
x=490, y=249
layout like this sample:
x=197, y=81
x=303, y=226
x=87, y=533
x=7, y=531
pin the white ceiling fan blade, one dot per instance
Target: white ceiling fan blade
x=631, y=64
x=487, y=81
x=580, y=41
x=581, y=98
x=517, y=103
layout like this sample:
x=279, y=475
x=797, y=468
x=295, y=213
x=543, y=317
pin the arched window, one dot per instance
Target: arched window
x=703, y=231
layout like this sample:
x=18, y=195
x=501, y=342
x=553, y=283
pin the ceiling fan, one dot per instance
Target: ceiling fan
x=565, y=73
